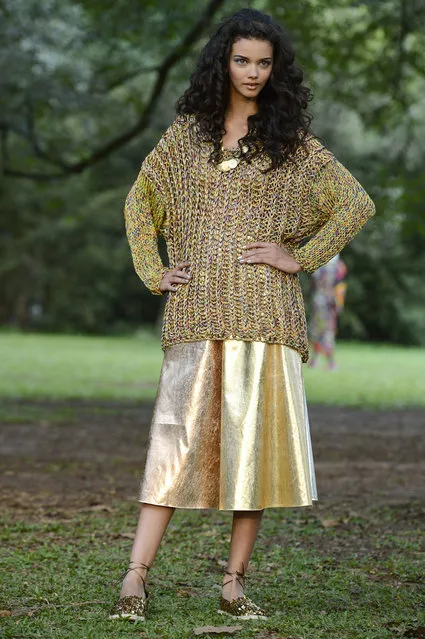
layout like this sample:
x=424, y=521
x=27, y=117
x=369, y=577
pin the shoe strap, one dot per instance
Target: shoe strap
x=137, y=565
x=235, y=576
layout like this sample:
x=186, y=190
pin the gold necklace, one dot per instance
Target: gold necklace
x=232, y=163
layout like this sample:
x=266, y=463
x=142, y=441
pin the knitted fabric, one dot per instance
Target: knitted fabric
x=207, y=216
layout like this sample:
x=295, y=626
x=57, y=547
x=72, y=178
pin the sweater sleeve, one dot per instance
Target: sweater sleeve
x=144, y=217
x=341, y=207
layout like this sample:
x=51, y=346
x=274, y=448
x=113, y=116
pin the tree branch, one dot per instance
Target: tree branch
x=163, y=71
x=32, y=137
x=130, y=76
x=402, y=35
x=4, y=132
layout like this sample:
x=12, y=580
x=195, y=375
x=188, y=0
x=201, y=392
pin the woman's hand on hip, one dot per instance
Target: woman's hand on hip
x=179, y=275
x=271, y=254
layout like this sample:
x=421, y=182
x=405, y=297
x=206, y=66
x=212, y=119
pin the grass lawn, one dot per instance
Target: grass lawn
x=127, y=368
x=331, y=572
x=318, y=579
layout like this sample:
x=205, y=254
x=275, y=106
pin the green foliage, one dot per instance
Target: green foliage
x=86, y=90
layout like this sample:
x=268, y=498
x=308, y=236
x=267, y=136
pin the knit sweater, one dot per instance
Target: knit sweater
x=313, y=207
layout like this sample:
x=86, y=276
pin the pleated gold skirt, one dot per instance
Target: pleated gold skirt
x=230, y=429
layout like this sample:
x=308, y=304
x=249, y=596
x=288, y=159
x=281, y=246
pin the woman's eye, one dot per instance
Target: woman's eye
x=263, y=63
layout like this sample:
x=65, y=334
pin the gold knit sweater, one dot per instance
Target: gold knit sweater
x=312, y=207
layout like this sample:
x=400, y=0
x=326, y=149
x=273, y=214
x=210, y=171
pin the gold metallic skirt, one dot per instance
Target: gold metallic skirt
x=230, y=429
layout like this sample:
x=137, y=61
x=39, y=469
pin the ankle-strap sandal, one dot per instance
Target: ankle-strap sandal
x=242, y=607
x=131, y=607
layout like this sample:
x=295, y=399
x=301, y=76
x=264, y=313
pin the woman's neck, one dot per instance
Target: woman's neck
x=240, y=108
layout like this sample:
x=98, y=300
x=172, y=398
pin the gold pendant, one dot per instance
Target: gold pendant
x=227, y=165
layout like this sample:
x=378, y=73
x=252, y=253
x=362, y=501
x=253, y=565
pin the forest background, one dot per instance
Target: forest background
x=88, y=87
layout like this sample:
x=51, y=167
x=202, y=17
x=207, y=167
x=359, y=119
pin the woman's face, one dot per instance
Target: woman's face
x=250, y=66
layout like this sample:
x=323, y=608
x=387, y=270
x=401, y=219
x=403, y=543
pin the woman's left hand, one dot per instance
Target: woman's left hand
x=271, y=254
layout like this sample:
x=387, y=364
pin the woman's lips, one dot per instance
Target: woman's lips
x=251, y=86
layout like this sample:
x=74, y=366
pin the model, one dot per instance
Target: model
x=246, y=198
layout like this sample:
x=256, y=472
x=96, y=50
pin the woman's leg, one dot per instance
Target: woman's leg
x=153, y=522
x=331, y=362
x=244, y=533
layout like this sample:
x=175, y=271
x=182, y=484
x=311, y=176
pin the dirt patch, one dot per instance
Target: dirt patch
x=363, y=458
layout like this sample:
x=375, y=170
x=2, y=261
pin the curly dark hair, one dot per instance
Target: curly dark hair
x=281, y=124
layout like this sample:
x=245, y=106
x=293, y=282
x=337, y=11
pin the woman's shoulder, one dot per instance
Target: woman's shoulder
x=176, y=132
x=173, y=143
x=169, y=145
x=313, y=144
x=312, y=152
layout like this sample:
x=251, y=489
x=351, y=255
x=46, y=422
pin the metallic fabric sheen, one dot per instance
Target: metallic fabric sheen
x=241, y=608
x=132, y=608
x=230, y=429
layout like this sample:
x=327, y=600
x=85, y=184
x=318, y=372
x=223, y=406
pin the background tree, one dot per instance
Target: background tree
x=86, y=90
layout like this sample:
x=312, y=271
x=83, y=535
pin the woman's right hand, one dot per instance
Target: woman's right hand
x=178, y=275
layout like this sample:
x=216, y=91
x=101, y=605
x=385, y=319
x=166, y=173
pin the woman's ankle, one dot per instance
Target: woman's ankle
x=134, y=583
x=231, y=588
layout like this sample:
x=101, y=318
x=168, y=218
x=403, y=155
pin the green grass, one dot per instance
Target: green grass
x=370, y=375
x=370, y=589
x=59, y=367
x=79, y=367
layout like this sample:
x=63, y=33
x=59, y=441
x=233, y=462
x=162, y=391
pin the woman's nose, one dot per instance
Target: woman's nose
x=253, y=71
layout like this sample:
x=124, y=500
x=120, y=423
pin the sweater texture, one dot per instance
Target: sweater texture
x=312, y=206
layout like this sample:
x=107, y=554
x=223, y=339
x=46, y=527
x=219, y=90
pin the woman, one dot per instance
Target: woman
x=329, y=287
x=236, y=185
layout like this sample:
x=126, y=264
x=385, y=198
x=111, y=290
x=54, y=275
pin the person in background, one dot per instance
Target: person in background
x=329, y=288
